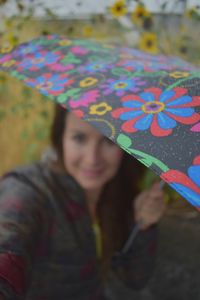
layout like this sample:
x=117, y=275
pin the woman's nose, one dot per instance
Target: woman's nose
x=93, y=154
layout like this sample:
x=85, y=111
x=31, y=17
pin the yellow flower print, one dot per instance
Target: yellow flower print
x=6, y=49
x=139, y=14
x=65, y=42
x=9, y=63
x=178, y=74
x=100, y=109
x=118, y=9
x=149, y=43
x=149, y=107
x=88, y=81
x=88, y=30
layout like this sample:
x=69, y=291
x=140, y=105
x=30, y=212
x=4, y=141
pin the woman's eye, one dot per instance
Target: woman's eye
x=109, y=142
x=79, y=138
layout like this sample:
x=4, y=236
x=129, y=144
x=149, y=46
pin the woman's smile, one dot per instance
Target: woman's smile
x=92, y=173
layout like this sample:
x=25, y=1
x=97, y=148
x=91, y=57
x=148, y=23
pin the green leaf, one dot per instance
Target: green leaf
x=146, y=162
x=2, y=78
x=124, y=140
x=70, y=58
x=62, y=98
x=120, y=71
x=105, y=59
x=31, y=152
x=44, y=114
x=44, y=98
x=24, y=134
x=18, y=75
x=32, y=147
x=2, y=114
x=41, y=134
x=14, y=109
x=72, y=93
x=27, y=93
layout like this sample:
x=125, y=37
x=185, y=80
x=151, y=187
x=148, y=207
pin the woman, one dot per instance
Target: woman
x=64, y=221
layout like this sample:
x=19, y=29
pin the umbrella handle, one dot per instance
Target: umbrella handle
x=135, y=230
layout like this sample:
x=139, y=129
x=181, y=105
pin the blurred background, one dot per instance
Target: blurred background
x=170, y=27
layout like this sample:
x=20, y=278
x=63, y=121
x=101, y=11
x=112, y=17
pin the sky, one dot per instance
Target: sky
x=69, y=8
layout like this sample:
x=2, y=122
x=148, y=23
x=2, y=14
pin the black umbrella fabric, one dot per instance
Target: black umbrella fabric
x=148, y=104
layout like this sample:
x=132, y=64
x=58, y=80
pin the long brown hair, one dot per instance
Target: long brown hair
x=114, y=209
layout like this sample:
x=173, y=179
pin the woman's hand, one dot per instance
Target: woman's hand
x=149, y=206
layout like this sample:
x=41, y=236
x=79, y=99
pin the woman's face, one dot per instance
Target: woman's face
x=88, y=156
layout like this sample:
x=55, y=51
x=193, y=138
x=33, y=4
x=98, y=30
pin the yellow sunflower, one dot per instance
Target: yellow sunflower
x=9, y=63
x=148, y=42
x=118, y=9
x=140, y=14
x=2, y=2
x=100, y=109
x=88, y=30
x=10, y=39
x=8, y=23
x=191, y=13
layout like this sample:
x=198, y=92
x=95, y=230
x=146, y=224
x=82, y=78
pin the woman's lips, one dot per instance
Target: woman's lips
x=92, y=172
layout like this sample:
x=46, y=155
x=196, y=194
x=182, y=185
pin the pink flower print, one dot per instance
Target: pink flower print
x=50, y=84
x=85, y=99
x=78, y=50
x=61, y=68
x=157, y=110
x=196, y=127
x=5, y=58
x=186, y=184
x=39, y=60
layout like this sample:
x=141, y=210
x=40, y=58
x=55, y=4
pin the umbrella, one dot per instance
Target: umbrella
x=148, y=104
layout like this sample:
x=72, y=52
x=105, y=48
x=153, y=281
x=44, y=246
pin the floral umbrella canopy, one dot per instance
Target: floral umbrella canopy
x=149, y=105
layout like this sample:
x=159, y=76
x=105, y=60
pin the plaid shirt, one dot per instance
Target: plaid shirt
x=47, y=245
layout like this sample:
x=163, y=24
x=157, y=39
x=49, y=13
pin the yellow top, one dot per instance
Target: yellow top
x=98, y=238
